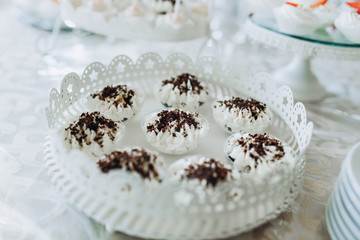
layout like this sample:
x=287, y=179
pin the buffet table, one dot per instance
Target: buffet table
x=30, y=207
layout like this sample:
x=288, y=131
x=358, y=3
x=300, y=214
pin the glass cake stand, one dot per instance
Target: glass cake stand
x=327, y=44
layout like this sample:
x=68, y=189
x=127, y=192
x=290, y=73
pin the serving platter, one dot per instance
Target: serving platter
x=155, y=212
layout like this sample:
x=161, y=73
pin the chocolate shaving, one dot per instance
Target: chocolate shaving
x=172, y=1
x=174, y=118
x=185, y=83
x=118, y=95
x=137, y=161
x=212, y=171
x=259, y=142
x=253, y=106
x=95, y=122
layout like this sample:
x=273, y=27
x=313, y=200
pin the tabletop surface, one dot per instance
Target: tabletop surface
x=30, y=208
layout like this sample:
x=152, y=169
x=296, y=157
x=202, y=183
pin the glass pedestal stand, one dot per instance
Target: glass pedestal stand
x=298, y=74
x=299, y=77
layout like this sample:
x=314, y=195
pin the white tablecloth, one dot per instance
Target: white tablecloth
x=30, y=208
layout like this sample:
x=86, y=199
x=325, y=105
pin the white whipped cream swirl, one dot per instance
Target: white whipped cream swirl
x=258, y=154
x=251, y=118
x=134, y=162
x=184, y=169
x=174, y=136
x=93, y=142
x=348, y=19
x=115, y=107
x=326, y=13
x=297, y=14
x=348, y=23
x=173, y=95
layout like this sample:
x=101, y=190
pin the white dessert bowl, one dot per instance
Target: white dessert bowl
x=342, y=211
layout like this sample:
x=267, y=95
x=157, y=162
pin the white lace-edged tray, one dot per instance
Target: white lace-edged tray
x=133, y=28
x=155, y=213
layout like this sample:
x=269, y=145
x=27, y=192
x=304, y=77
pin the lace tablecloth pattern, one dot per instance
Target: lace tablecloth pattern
x=29, y=206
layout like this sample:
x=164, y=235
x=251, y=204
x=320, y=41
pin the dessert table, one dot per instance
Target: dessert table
x=31, y=208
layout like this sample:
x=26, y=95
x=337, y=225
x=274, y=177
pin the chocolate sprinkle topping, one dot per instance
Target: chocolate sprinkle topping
x=185, y=83
x=174, y=118
x=95, y=122
x=255, y=107
x=258, y=143
x=172, y=1
x=212, y=171
x=138, y=161
x=118, y=94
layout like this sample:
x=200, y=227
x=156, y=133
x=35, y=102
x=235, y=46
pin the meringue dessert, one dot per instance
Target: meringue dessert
x=201, y=171
x=199, y=8
x=174, y=20
x=119, y=103
x=257, y=154
x=348, y=23
x=174, y=131
x=296, y=19
x=93, y=134
x=160, y=6
x=184, y=91
x=142, y=163
x=326, y=12
x=133, y=11
x=236, y=114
